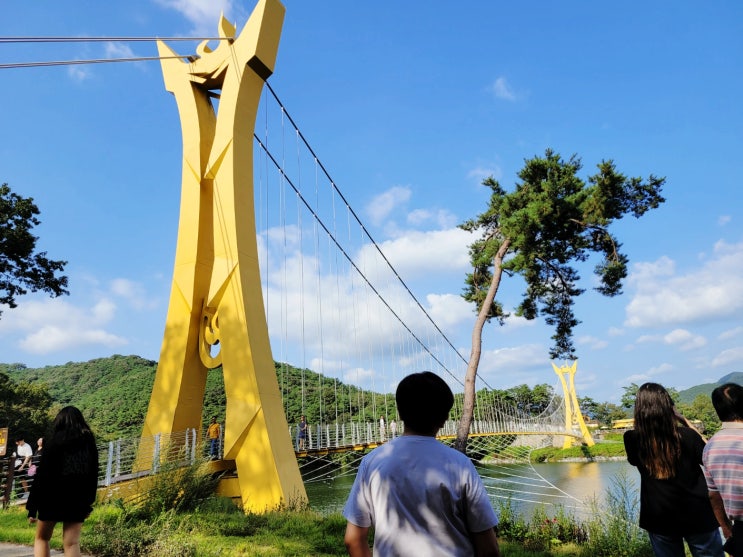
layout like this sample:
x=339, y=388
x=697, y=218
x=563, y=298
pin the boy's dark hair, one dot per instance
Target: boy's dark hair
x=728, y=402
x=424, y=401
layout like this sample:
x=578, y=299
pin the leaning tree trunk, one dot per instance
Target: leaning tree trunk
x=468, y=405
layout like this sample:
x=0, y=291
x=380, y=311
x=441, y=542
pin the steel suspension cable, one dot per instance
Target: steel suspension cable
x=367, y=233
x=106, y=39
x=348, y=257
x=10, y=66
x=47, y=63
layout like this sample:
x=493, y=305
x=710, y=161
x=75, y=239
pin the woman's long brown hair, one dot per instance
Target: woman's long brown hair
x=657, y=431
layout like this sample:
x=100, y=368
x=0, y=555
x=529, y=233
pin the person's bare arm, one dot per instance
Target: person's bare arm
x=722, y=517
x=486, y=543
x=357, y=540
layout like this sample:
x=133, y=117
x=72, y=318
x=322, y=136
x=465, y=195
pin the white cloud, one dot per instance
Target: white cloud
x=503, y=90
x=417, y=253
x=359, y=376
x=714, y=291
x=103, y=311
x=728, y=357
x=660, y=370
x=78, y=72
x=118, y=50
x=649, y=375
x=126, y=288
x=441, y=218
x=383, y=204
x=514, y=365
x=684, y=339
x=479, y=173
x=731, y=333
x=449, y=310
x=133, y=292
x=51, y=325
x=54, y=339
x=203, y=14
x=515, y=322
x=680, y=338
x=637, y=378
x=724, y=219
x=644, y=339
x=592, y=342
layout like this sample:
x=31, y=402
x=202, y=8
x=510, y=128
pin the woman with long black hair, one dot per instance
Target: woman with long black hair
x=65, y=484
x=674, y=503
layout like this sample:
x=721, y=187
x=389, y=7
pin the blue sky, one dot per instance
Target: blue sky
x=409, y=106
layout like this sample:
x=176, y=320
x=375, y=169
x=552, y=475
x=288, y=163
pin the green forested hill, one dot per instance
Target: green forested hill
x=114, y=393
x=687, y=396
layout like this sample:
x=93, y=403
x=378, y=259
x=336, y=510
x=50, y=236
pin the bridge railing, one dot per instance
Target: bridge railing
x=365, y=433
x=125, y=459
x=129, y=458
x=119, y=460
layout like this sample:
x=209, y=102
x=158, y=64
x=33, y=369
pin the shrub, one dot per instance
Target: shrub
x=612, y=530
x=179, y=488
x=120, y=538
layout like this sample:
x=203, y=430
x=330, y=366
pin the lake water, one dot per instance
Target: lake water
x=568, y=484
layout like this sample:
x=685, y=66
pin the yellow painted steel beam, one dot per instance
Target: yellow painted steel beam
x=573, y=415
x=216, y=314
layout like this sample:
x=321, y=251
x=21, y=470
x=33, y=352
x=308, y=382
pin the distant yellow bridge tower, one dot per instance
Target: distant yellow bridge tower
x=216, y=314
x=573, y=415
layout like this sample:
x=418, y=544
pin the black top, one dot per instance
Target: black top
x=678, y=506
x=65, y=484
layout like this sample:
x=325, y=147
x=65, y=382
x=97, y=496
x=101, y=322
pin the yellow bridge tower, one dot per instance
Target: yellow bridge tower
x=573, y=415
x=216, y=315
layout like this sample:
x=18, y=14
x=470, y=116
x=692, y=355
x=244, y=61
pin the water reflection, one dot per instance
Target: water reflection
x=569, y=484
x=572, y=485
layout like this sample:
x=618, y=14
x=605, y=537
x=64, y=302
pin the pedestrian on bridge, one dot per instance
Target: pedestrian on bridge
x=420, y=496
x=65, y=484
x=674, y=502
x=214, y=433
x=302, y=433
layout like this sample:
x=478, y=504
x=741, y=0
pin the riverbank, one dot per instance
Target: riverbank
x=590, y=459
x=606, y=450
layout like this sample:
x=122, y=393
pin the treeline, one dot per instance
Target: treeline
x=114, y=393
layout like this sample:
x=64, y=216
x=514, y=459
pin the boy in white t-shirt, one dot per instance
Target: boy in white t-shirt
x=420, y=496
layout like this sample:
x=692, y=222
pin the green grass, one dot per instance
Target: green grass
x=109, y=532
x=211, y=533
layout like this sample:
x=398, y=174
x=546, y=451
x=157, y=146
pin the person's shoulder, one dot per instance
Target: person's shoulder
x=686, y=430
x=691, y=433
x=631, y=440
